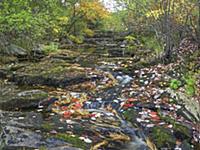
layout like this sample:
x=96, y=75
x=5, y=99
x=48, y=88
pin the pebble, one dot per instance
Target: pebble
x=150, y=125
x=39, y=110
x=63, y=96
x=21, y=118
x=60, y=128
x=109, y=114
x=37, y=131
x=157, y=106
x=93, y=118
x=139, y=120
x=99, y=99
x=40, y=106
x=156, y=96
x=162, y=123
x=178, y=107
x=141, y=81
x=116, y=101
x=146, y=82
x=75, y=95
x=170, y=126
x=81, y=138
x=98, y=115
x=87, y=140
x=53, y=132
x=136, y=71
x=120, y=78
x=69, y=121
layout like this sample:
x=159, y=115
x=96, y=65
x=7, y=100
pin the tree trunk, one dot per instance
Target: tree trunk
x=167, y=32
x=198, y=34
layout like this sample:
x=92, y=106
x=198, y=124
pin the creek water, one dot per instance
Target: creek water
x=37, y=126
x=18, y=128
x=112, y=97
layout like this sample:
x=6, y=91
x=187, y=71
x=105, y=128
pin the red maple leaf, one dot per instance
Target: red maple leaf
x=67, y=114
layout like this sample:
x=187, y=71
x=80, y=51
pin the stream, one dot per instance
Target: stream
x=112, y=97
x=23, y=128
x=108, y=110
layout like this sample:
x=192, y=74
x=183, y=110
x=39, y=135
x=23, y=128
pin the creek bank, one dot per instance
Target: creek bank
x=49, y=73
x=115, y=110
x=13, y=53
x=25, y=130
x=13, y=98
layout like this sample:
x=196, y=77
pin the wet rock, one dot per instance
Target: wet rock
x=21, y=119
x=29, y=130
x=3, y=73
x=163, y=138
x=14, y=137
x=185, y=146
x=26, y=99
x=191, y=104
x=37, y=52
x=64, y=148
x=7, y=59
x=15, y=50
x=50, y=73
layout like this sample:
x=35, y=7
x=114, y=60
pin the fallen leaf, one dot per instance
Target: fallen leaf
x=67, y=114
x=98, y=145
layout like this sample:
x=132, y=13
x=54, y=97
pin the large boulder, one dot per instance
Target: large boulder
x=15, y=50
x=12, y=98
x=54, y=72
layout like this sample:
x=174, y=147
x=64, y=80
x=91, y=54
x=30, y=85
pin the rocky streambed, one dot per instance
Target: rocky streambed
x=69, y=102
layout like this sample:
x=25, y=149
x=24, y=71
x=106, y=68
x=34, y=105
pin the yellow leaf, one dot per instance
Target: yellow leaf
x=55, y=30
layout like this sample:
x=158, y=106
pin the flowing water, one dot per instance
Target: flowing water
x=37, y=127
x=19, y=129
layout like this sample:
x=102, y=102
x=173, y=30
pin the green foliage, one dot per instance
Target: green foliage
x=190, y=84
x=27, y=21
x=88, y=32
x=76, y=39
x=175, y=84
x=52, y=47
x=150, y=42
x=132, y=48
x=130, y=38
x=115, y=21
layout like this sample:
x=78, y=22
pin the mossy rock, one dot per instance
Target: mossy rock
x=182, y=133
x=23, y=100
x=8, y=59
x=130, y=115
x=162, y=137
x=47, y=126
x=50, y=73
x=74, y=140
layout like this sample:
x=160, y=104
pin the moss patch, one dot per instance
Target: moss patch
x=162, y=137
x=47, y=126
x=74, y=140
x=129, y=115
